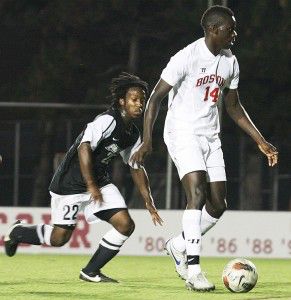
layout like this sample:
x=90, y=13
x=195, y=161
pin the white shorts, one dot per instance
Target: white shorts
x=191, y=152
x=65, y=208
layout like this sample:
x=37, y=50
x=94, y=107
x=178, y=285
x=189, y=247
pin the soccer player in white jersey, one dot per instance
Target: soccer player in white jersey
x=83, y=183
x=195, y=78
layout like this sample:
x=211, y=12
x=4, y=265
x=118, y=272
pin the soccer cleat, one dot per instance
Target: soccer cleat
x=199, y=283
x=10, y=244
x=179, y=258
x=96, y=277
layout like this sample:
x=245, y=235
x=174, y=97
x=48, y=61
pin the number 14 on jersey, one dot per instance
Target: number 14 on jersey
x=214, y=94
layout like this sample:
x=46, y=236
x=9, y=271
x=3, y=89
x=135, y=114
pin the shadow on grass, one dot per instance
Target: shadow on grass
x=274, y=291
x=277, y=285
x=61, y=295
x=8, y=283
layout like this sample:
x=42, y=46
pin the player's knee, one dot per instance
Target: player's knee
x=131, y=227
x=59, y=241
x=126, y=227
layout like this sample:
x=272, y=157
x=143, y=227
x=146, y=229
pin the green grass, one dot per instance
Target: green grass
x=141, y=278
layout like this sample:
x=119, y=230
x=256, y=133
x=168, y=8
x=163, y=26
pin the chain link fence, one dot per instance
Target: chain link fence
x=31, y=150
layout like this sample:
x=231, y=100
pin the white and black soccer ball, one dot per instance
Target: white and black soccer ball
x=240, y=275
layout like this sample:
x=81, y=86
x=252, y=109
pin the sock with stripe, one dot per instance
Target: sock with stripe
x=32, y=234
x=109, y=246
x=192, y=231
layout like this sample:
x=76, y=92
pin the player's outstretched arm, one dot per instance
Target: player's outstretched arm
x=141, y=181
x=86, y=166
x=160, y=91
x=241, y=118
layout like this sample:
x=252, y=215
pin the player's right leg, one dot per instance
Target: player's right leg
x=188, y=153
x=195, y=187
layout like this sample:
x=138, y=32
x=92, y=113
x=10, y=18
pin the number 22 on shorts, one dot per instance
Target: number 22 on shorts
x=70, y=212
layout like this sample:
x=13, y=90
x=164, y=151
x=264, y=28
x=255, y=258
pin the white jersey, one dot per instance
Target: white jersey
x=198, y=79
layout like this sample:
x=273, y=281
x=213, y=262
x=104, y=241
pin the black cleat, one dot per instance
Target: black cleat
x=10, y=244
x=96, y=277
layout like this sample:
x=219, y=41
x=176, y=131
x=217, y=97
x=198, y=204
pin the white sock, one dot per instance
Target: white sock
x=192, y=232
x=207, y=221
x=113, y=239
x=44, y=232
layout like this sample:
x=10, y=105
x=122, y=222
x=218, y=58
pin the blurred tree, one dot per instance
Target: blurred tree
x=67, y=51
x=263, y=47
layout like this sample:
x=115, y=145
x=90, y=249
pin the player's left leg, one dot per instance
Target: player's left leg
x=215, y=205
x=110, y=244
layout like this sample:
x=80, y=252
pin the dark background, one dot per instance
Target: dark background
x=68, y=51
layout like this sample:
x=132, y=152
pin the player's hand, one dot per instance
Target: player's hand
x=95, y=194
x=270, y=151
x=139, y=156
x=154, y=213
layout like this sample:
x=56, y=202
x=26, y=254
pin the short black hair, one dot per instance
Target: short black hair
x=120, y=85
x=215, y=15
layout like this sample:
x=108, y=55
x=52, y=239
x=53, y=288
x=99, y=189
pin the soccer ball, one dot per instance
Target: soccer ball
x=239, y=275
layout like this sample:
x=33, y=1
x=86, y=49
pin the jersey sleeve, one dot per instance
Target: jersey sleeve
x=97, y=130
x=128, y=152
x=176, y=68
x=235, y=76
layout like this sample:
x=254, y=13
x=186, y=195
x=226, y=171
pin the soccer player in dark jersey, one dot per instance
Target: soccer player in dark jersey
x=82, y=182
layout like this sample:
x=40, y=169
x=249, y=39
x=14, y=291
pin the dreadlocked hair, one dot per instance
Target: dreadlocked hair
x=119, y=86
x=215, y=15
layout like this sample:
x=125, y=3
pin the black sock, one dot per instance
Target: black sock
x=100, y=258
x=26, y=234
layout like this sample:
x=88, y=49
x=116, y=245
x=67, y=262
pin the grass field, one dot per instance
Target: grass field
x=145, y=278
